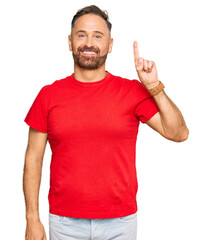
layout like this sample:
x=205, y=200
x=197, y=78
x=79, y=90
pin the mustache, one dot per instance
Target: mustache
x=91, y=49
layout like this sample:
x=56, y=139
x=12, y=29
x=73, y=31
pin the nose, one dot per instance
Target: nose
x=89, y=41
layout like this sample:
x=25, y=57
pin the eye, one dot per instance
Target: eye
x=81, y=35
x=98, y=36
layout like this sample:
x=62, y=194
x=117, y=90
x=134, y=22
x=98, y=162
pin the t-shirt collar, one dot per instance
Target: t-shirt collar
x=91, y=84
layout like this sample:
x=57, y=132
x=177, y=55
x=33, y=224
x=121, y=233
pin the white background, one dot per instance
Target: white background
x=174, y=196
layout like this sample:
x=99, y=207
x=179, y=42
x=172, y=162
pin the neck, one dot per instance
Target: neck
x=85, y=75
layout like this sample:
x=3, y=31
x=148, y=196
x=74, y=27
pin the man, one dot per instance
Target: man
x=91, y=121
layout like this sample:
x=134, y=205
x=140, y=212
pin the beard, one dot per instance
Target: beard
x=89, y=62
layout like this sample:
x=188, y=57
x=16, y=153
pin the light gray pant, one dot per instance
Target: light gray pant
x=68, y=228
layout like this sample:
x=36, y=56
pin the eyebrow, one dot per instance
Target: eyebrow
x=93, y=31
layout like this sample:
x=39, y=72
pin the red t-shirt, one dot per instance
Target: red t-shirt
x=92, y=131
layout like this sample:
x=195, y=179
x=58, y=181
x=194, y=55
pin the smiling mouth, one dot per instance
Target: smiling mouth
x=87, y=53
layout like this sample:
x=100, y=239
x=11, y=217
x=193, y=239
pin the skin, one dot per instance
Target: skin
x=31, y=183
x=169, y=121
x=88, y=24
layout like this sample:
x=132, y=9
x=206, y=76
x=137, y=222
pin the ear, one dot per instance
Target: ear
x=110, y=45
x=70, y=42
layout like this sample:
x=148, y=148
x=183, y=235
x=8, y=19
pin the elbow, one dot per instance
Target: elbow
x=186, y=134
x=182, y=135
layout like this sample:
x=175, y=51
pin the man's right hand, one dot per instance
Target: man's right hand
x=35, y=230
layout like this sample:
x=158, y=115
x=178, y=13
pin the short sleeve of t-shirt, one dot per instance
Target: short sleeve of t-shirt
x=146, y=107
x=37, y=114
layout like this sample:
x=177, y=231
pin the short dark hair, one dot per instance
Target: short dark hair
x=94, y=10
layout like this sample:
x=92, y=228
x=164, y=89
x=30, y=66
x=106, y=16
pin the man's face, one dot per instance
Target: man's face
x=90, y=41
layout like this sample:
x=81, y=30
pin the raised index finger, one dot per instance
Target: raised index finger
x=135, y=49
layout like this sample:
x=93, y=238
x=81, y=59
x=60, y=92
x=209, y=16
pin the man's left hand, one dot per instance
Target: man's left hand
x=146, y=69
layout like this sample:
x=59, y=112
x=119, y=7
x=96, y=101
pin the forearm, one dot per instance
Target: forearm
x=172, y=120
x=31, y=185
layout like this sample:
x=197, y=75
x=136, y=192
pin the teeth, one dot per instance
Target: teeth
x=89, y=52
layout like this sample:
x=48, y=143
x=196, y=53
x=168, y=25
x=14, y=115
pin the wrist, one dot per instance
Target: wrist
x=152, y=85
x=32, y=216
x=156, y=89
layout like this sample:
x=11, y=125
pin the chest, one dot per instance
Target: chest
x=92, y=115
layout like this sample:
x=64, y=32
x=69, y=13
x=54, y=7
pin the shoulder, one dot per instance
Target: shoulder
x=54, y=86
x=119, y=78
x=134, y=84
x=139, y=85
x=140, y=89
x=130, y=81
x=122, y=80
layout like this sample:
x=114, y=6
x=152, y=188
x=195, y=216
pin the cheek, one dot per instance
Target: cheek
x=104, y=48
x=75, y=48
x=76, y=45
